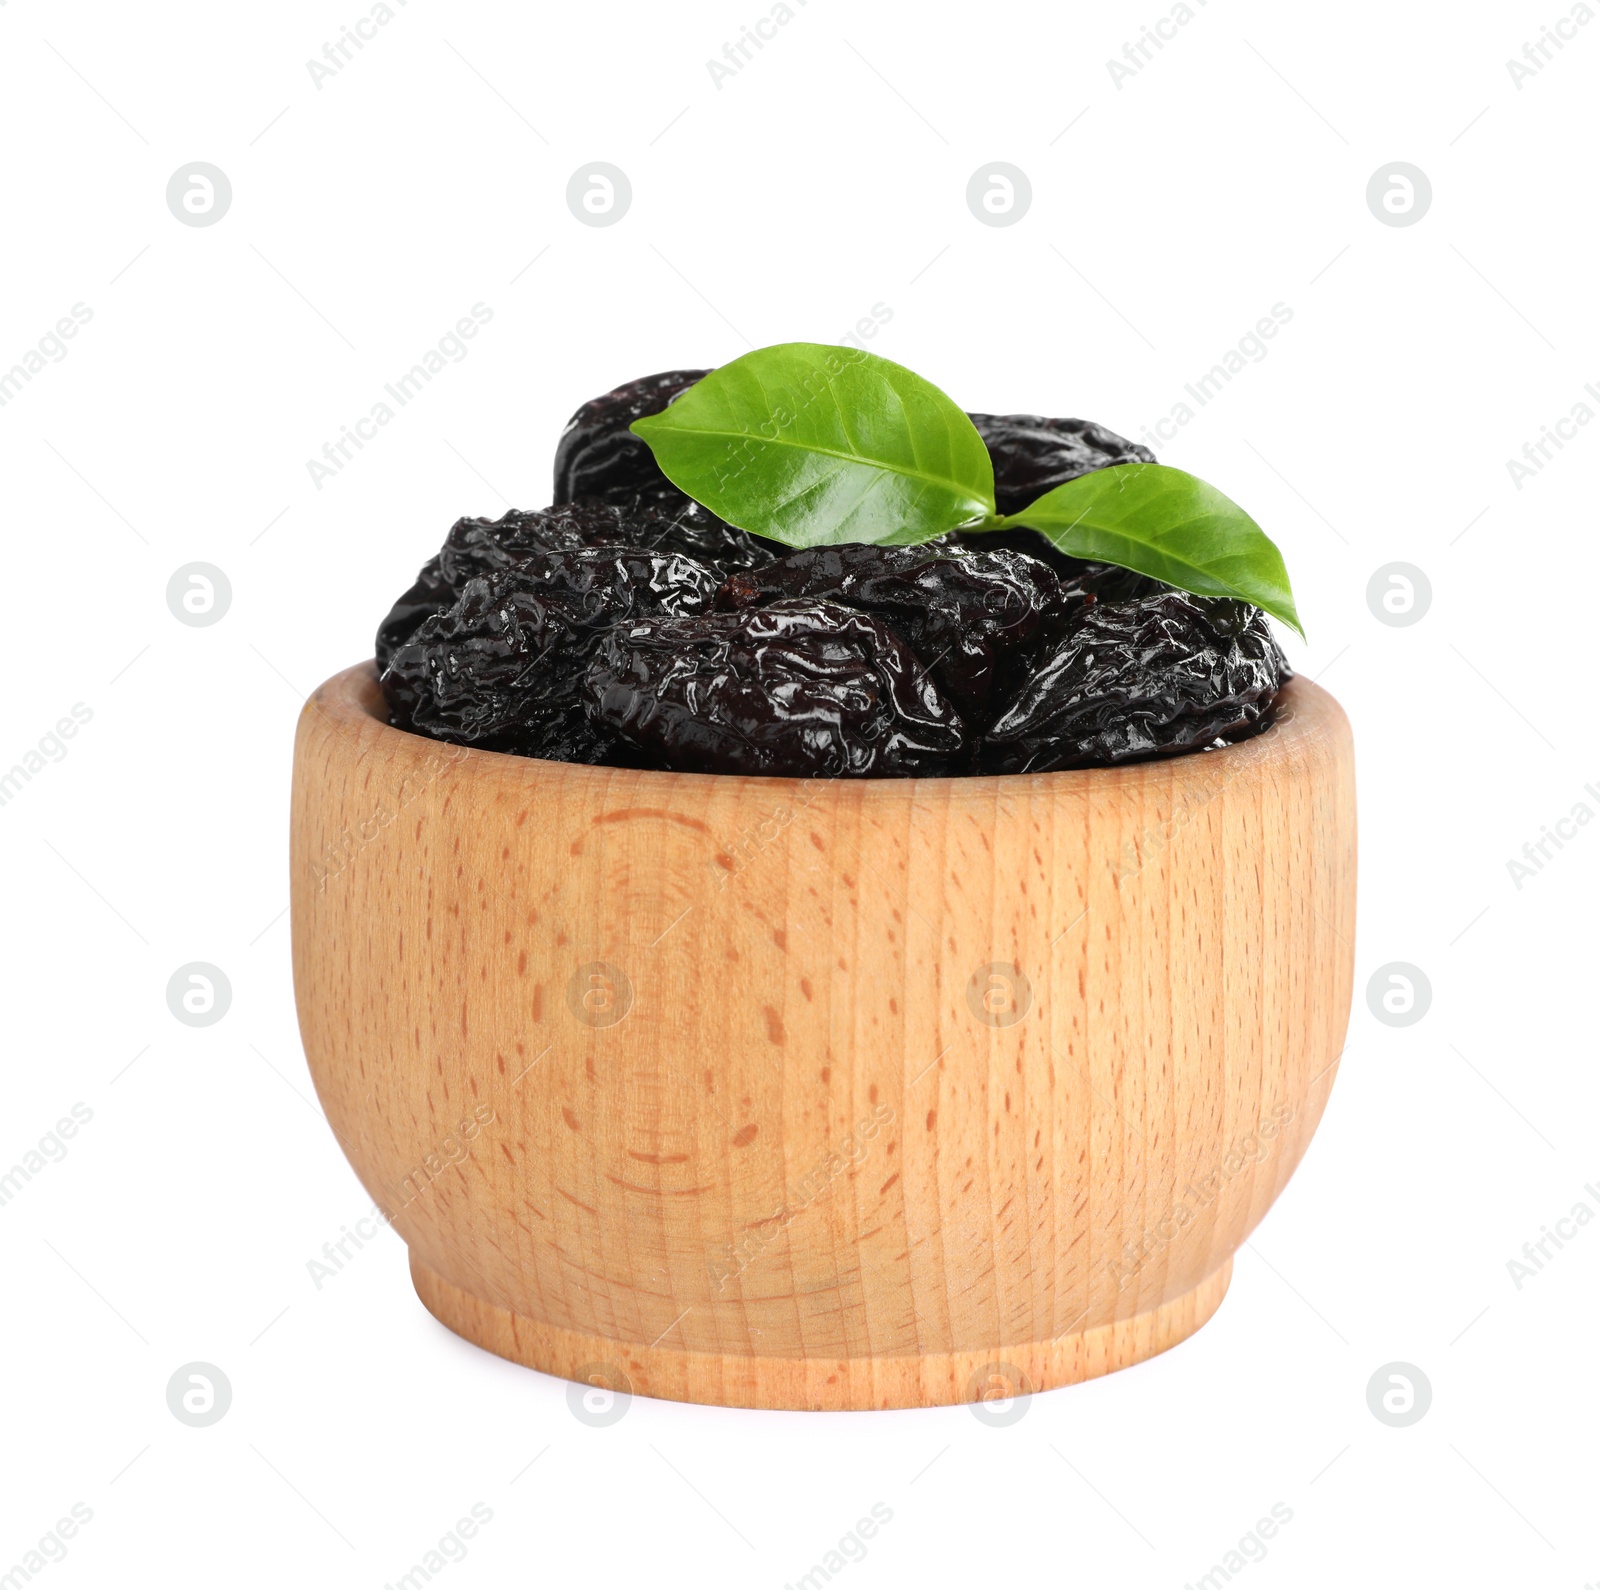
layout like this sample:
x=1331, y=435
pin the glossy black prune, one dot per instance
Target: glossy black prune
x=798, y=689
x=1033, y=454
x=976, y=619
x=502, y=666
x=481, y=546
x=1132, y=680
x=1106, y=582
x=1077, y=576
x=598, y=456
x=670, y=521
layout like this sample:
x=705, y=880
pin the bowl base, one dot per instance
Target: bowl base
x=923, y=1380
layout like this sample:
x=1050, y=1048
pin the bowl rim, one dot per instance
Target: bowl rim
x=351, y=702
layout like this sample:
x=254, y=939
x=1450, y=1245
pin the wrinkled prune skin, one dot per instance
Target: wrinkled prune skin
x=976, y=619
x=481, y=546
x=598, y=456
x=1132, y=680
x=673, y=522
x=800, y=689
x=1105, y=582
x=1032, y=454
x=1077, y=576
x=501, y=667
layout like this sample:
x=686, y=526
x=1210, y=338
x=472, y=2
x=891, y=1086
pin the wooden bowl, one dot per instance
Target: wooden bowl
x=821, y=1094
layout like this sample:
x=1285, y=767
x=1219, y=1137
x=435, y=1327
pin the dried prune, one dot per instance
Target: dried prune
x=797, y=689
x=501, y=667
x=1077, y=576
x=598, y=456
x=1032, y=454
x=1131, y=680
x=480, y=546
x=976, y=619
x=671, y=522
x=1106, y=582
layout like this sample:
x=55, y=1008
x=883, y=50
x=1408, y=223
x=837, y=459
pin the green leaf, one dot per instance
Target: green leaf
x=813, y=446
x=1169, y=525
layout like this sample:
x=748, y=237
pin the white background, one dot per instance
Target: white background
x=1169, y=214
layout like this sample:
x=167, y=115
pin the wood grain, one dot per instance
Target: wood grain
x=831, y=1094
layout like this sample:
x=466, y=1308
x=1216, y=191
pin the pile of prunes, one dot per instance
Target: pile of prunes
x=627, y=626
